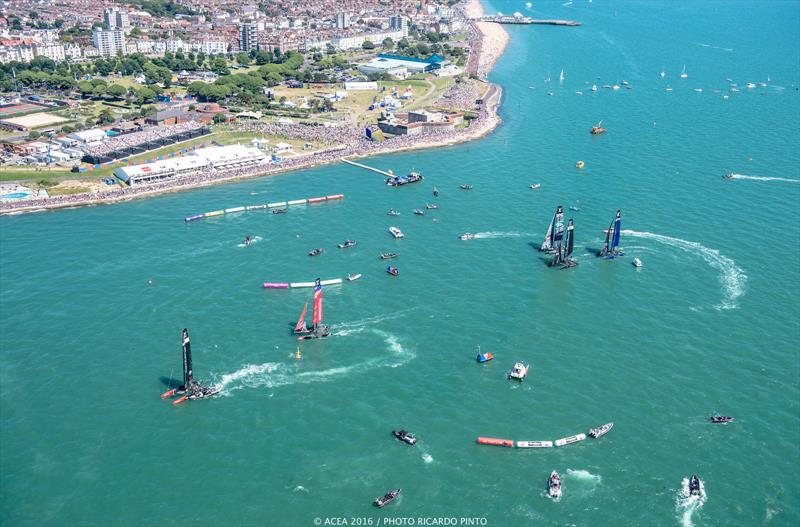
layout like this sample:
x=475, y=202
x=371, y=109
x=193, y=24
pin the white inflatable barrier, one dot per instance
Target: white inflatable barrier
x=534, y=444
x=296, y=202
x=234, y=209
x=571, y=439
x=332, y=281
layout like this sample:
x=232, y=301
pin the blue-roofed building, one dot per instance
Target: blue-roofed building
x=394, y=64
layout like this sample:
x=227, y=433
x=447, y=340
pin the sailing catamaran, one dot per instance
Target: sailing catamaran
x=317, y=329
x=190, y=389
x=611, y=248
x=555, y=232
x=563, y=251
x=683, y=72
x=561, y=77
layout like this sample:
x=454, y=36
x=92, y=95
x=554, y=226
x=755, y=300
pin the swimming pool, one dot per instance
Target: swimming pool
x=15, y=195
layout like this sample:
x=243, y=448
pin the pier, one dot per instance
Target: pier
x=359, y=165
x=525, y=20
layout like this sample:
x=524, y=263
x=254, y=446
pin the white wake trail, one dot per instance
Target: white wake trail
x=732, y=277
x=499, y=234
x=764, y=178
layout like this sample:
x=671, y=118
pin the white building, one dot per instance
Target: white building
x=248, y=36
x=109, y=42
x=114, y=18
x=342, y=21
x=145, y=173
x=230, y=156
x=86, y=137
x=346, y=42
x=214, y=47
x=72, y=51
x=51, y=51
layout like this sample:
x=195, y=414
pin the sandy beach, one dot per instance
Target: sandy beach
x=487, y=43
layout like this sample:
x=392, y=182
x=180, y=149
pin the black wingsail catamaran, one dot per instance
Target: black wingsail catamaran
x=563, y=251
x=611, y=248
x=190, y=389
x=555, y=232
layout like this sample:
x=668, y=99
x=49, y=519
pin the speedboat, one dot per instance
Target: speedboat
x=750, y=85
x=615, y=87
x=721, y=419
x=580, y=164
x=397, y=233
x=535, y=186
x=600, y=431
x=316, y=252
x=637, y=262
x=467, y=236
x=466, y=187
x=392, y=270
x=419, y=212
x=554, y=485
x=347, y=243
x=518, y=372
x=597, y=129
x=405, y=436
x=279, y=211
x=624, y=82
x=728, y=176
x=431, y=206
x=388, y=256
x=386, y=498
x=248, y=240
x=693, y=487
x=594, y=87
x=352, y=277
x=393, y=212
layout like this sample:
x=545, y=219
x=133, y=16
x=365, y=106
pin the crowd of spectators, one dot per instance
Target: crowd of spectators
x=134, y=139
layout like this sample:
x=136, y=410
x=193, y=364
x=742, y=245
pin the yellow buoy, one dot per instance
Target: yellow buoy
x=297, y=354
x=580, y=164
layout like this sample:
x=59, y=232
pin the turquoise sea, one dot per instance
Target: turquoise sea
x=708, y=325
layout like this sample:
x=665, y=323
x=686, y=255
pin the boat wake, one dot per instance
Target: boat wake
x=498, y=234
x=732, y=276
x=254, y=239
x=275, y=375
x=713, y=47
x=349, y=328
x=764, y=178
x=687, y=505
x=584, y=475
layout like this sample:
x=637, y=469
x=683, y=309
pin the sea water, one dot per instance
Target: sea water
x=94, y=300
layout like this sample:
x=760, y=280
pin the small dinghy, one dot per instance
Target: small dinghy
x=388, y=256
x=728, y=176
x=467, y=236
x=693, y=487
x=637, y=262
x=600, y=431
x=248, y=240
x=279, y=211
x=393, y=212
x=392, y=270
x=554, y=485
x=419, y=212
x=316, y=252
x=466, y=187
x=535, y=186
x=431, y=206
x=721, y=419
x=518, y=372
x=352, y=277
x=386, y=498
x=405, y=436
x=347, y=244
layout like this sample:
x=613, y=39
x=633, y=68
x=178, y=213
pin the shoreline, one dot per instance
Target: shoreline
x=488, y=42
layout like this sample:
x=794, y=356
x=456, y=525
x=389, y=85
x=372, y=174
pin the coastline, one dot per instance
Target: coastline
x=487, y=44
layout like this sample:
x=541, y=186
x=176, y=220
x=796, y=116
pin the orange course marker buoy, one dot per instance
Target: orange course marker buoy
x=495, y=441
x=168, y=394
x=179, y=401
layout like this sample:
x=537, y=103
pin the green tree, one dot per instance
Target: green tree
x=368, y=45
x=34, y=135
x=273, y=79
x=220, y=118
x=243, y=59
x=117, y=91
x=403, y=44
x=136, y=32
x=387, y=43
x=145, y=95
x=423, y=48
x=105, y=117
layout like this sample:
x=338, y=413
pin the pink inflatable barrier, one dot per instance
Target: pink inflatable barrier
x=316, y=200
x=275, y=285
x=336, y=196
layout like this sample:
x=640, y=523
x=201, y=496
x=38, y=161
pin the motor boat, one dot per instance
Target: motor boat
x=431, y=206
x=248, y=240
x=693, y=487
x=386, y=498
x=518, y=372
x=316, y=252
x=554, y=485
x=467, y=236
x=388, y=256
x=721, y=419
x=466, y=187
x=405, y=436
x=393, y=212
x=597, y=129
x=392, y=270
x=397, y=181
x=419, y=212
x=397, y=233
x=347, y=244
x=728, y=176
x=435, y=191
x=580, y=164
x=637, y=262
x=352, y=277
x=600, y=431
x=279, y=211
x=535, y=186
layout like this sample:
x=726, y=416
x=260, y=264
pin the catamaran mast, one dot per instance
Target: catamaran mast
x=549, y=238
x=317, y=303
x=188, y=379
x=615, y=239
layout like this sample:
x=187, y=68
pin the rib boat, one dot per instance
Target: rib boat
x=388, y=256
x=397, y=233
x=600, y=431
x=554, y=485
x=347, y=244
x=316, y=252
x=386, y=498
x=405, y=436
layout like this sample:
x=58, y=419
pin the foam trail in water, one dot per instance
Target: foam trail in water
x=686, y=504
x=496, y=234
x=731, y=276
x=713, y=47
x=254, y=239
x=764, y=178
x=584, y=475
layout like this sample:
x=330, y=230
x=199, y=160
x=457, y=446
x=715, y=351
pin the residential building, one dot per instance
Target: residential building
x=109, y=42
x=114, y=18
x=342, y=20
x=248, y=35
